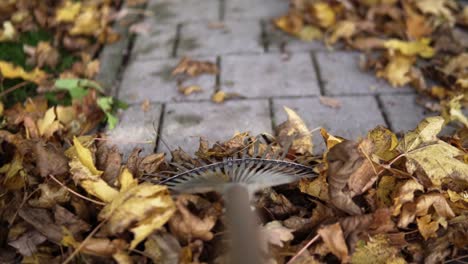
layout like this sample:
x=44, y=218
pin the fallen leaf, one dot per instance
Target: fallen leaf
x=295, y=132
x=221, y=96
x=276, y=234
x=68, y=12
x=10, y=71
x=27, y=243
x=187, y=226
x=385, y=143
x=377, y=250
x=342, y=30
x=188, y=90
x=324, y=14
x=50, y=159
x=333, y=238
x=50, y=196
x=421, y=207
x=330, y=101
x=142, y=209
x=397, y=71
x=194, y=68
x=413, y=48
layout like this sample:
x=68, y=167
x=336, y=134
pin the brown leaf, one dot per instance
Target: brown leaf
x=333, y=237
x=108, y=160
x=42, y=221
x=194, y=68
x=71, y=222
x=294, y=129
x=330, y=101
x=51, y=194
x=421, y=208
x=187, y=226
x=50, y=159
x=348, y=166
x=27, y=243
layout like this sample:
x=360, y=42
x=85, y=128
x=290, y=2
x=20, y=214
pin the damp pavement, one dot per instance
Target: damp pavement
x=268, y=68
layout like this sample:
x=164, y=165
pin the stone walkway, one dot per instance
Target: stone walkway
x=267, y=67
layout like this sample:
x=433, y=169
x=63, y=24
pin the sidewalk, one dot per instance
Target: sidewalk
x=268, y=68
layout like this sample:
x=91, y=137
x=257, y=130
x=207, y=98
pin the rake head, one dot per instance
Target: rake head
x=254, y=173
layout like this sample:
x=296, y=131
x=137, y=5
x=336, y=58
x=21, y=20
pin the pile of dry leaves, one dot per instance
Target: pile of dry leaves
x=377, y=200
x=421, y=43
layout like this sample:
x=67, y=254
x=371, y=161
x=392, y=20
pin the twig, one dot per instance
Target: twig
x=73, y=254
x=303, y=249
x=75, y=193
x=13, y=88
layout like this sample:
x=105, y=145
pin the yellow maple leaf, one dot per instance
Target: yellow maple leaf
x=342, y=30
x=10, y=71
x=88, y=22
x=385, y=142
x=49, y=124
x=411, y=48
x=397, y=70
x=141, y=208
x=68, y=12
x=85, y=173
x=431, y=157
x=324, y=13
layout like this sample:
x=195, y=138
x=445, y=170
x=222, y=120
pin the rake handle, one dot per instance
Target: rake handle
x=242, y=226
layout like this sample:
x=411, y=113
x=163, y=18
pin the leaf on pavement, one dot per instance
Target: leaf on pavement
x=294, y=130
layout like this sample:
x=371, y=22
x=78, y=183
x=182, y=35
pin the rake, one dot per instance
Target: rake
x=237, y=179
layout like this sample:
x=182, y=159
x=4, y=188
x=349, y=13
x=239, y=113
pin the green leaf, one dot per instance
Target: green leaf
x=105, y=103
x=78, y=88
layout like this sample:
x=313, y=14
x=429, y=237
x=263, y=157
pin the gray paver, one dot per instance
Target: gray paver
x=236, y=9
x=185, y=122
x=357, y=115
x=198, y=39
x=151, y=80
x=136, y=128
x=341, y=75
x=179, y=11
x=269, y=75
x=279, y=41
x=158, y=43
x=402, y=112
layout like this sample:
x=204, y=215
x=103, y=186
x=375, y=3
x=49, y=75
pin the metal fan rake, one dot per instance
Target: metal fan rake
x=237, y=179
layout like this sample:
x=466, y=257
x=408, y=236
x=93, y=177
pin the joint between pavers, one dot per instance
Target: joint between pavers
x=158, y=136
x=272, y=114
x=218, y=75
x=263, y=36
x=176, y=41
x=222, y=10
x=383, y=112
x=318, y=73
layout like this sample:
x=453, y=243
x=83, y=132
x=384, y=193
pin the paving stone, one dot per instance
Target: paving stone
x=235, y=9
x=279, y=41
x=234, y=37
x=269, y=75
x=136, y=128
x=357, y=115
x=402, y=112
x=152, y=80
x=179, y=11
x=185, y=122
x=342, y=76
x=158, y=43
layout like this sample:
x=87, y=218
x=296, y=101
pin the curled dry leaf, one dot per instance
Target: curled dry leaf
x=276, y=234
x=333, y=238
x=349, y=166
x=295, y=131
x=50, y=159
x=188, y=90
x=194, y=68
x=51, y=194
x=421, y=207
x=377, y=250
x=330, y=101
x=187, y=226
